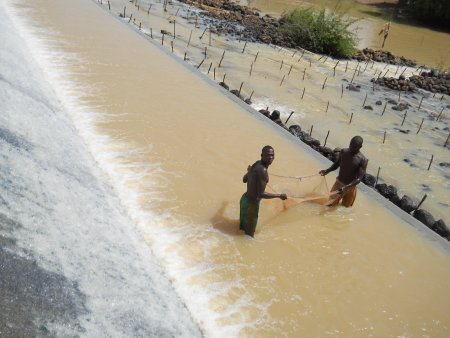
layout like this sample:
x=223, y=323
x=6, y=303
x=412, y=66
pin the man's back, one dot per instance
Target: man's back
x=257, y=180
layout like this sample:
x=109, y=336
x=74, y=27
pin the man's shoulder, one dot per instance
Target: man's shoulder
x=362, y=158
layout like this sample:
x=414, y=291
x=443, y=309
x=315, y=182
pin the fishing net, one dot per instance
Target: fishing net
x=299, y=189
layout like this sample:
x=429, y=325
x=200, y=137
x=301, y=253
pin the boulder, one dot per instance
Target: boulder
x=387, y=191
x=407, y=204
x=369, y=180
x=368, y=107
x=379, y=103
x=326, y=151
x=352, y=87
x=391, y=192
x=441, y=228
x=314, y=143
x=395, y=199
x=295, y=130
x=382, y=188
x=236, y=92
x=425, y=217
x=400, y=107
x=224, y=85
x=265, y=112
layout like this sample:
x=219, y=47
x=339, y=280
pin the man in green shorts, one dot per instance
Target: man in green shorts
x=256, y=178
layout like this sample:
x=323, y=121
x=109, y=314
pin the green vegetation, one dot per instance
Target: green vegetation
x=436, y=12
x=320, y=32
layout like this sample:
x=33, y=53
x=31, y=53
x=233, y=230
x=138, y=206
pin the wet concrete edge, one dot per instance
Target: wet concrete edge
x=421, y=228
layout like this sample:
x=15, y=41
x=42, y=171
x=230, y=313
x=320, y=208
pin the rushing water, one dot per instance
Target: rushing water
x=58, y=211
x=174, y=149
x=422, y=44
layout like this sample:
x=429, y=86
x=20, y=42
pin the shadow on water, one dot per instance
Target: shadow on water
x=225, y=224
x=33, y=300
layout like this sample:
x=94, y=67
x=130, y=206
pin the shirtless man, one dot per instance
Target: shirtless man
x=353, y=166
x=256, y=178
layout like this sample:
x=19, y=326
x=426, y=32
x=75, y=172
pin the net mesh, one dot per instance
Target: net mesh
x=313, y=188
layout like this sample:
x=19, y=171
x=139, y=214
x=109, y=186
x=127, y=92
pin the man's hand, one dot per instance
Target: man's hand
x=323, y=172
x=283, y=197
x=342, y=190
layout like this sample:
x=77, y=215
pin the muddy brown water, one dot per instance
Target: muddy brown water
x=426, y=46
x=176, y=148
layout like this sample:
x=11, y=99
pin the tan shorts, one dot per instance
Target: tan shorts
x=348, y=198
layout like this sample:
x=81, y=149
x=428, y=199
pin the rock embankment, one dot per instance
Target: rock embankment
x=250, y=25
x=368, y=54
x=432, y=81
x=388, y=191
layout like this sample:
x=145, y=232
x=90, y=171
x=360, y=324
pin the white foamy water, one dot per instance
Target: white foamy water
x=69, y=216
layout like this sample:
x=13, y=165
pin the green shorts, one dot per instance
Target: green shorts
x=248, y=215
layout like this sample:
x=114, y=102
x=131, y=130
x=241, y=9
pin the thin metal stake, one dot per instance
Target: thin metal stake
x=404, y=117
x=325, y=81
x=326, y=138
x=221, y=59
x=289, y=117
x=431, y=161
x=420, y=127
x=384, y=108
x=256, y=56
x=189, y=41
x=378, y=175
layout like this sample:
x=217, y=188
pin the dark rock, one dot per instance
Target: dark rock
x=314, y=142
x=391, y=191
x=425, y=217
x=444, y=164
x=407, y=204
x=295, y=130
x=368, y=107
x=379, y=103
x=306, y=138
x=390, y=101
x=236, y=92
x=248, y=101
x=369, y=180
x=382, y=188
x=441, y=228
x=325, y=151
x=395, y=199
x=265, y=112
x=400, y=107
x=352, y=87
x=224, y=85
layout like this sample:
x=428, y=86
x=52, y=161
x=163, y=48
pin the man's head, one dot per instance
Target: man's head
x=267, y=155
x=355, y=144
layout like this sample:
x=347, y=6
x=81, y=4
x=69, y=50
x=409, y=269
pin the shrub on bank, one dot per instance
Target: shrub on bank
x=318, y=31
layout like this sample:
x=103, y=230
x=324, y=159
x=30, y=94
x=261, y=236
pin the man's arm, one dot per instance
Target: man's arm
x=262, y=178
x=333, y=167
